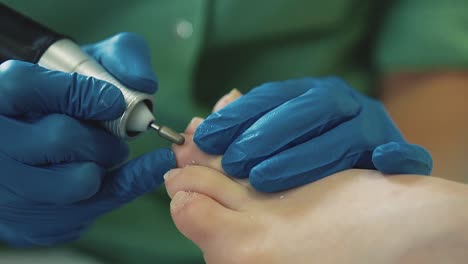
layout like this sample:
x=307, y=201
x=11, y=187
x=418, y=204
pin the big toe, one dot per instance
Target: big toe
x=203, y=220
x=217, y=214
x=209, y=182
x=207, y=206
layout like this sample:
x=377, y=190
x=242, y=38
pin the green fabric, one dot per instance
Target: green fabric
x=251, y=42
x=424, y=35
x=242, y=44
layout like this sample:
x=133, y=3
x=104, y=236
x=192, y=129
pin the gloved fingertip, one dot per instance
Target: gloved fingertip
x=402, y=158
x=259, y=183
x=208, y=140
x=148, y=170
x=264, y=178
x=234, y=164
x=141, y=175
x=159, y=162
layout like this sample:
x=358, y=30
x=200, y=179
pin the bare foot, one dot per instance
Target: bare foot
x=356, y=216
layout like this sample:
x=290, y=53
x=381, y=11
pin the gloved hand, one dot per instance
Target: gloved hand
x=286, y=134
x=56, y=162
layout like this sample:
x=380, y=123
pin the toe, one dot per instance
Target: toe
x=208, y=182
x=192, y=126
x=190, y=154
x=227, y=99
x=202, y=219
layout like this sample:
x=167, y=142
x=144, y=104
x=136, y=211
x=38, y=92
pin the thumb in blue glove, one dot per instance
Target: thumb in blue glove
x=127, y=57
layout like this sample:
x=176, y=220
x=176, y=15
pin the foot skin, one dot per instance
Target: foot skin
x=355, y=216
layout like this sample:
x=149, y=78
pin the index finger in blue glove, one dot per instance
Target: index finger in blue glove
x=29, y=88
x=299, y=119
x=339, y=149
x=132, y=180
x=308, y=162
x=219, y=129
x=287, y=169
x=127, y=57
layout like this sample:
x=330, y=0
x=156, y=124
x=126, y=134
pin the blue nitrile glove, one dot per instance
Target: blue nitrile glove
x=55, y=161
x=286, y=134
x=127, y=57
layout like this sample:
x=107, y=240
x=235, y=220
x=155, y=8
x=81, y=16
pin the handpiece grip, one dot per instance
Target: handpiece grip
x=21, y=38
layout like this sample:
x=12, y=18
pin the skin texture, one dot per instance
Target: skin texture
x=355, y=216
x=351, y=217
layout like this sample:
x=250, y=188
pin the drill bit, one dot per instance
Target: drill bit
x=168, y=134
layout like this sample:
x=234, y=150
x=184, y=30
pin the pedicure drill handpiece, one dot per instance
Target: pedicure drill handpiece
x=22, y=38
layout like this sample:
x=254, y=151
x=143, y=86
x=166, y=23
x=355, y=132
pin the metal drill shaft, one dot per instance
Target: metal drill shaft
x=168, y=134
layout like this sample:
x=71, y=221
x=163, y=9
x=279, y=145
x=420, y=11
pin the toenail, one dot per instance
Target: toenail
x=180, y=199
x=171, y=173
